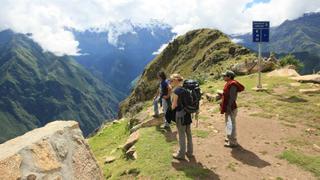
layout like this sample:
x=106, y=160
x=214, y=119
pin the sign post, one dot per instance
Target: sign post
x=260, y=33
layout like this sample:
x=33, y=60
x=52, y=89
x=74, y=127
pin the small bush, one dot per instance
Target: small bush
x=291, y=60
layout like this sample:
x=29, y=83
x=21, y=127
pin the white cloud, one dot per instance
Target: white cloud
x=237, y=40
x=47, y=20
x=162, y=47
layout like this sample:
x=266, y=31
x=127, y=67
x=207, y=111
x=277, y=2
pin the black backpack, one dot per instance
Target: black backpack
x=191, y=96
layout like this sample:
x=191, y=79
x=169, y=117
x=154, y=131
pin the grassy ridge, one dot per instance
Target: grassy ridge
x=197, y=54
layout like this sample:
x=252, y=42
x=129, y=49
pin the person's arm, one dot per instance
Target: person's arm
x=232, y=98
x=174, y=101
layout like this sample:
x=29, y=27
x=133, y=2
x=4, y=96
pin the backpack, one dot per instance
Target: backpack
x=191, y=96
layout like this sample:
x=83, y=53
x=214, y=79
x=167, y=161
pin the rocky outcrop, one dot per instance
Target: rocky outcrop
x=313, y=78
x=310, y=91
x=148, y=123
x=56, y=151
x=253, y=67
x=288, y=71
x=133, y=138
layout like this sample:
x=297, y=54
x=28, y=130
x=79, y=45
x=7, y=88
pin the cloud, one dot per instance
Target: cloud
x=49, y=21
x=162, y=47
x=237, y=40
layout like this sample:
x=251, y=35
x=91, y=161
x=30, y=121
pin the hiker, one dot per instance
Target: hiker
x=229, y=107
x=163, y=97
x=183, y=119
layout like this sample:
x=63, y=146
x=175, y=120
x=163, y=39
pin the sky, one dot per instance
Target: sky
x=50, y=21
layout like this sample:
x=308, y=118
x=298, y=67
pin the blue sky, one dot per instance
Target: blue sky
x=249, y=5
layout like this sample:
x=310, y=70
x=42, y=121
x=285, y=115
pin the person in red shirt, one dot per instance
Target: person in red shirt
x=228, y=107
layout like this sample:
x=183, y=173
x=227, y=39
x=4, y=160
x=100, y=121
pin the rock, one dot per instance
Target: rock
x=131, y=153
x=272, y=58
x=284, y=72
x=148, y=123
x=309, y=91
x=31, y=177
x=56, y=151
x=135, y=155
x=314, y=78
x=10, y=167
x=295, y=84
x=133, y=138
x=211, y=97
x=135, y=128
x=316, y=147
x=109, y=159
x=133, y=172
x=310, y=130
x=252, y=67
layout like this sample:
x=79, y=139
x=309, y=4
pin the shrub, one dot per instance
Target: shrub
x=291, y=60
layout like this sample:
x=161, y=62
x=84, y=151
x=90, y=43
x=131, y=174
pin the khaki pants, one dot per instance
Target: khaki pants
x=183, y=131
x=232, y=117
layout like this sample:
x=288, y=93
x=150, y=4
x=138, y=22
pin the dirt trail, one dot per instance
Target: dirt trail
x=261, y=141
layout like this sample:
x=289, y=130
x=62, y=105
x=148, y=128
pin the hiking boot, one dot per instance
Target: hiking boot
x=230, y=145
x=176, y=156
x=189, y=155
x=166, y=125
x=156, y=115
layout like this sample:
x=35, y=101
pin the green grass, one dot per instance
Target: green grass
x=309, y=163
x=107, y=142
x=299, y=142
x=289, y=106
x=200, y=133
x=154, y=149
x=232, y=166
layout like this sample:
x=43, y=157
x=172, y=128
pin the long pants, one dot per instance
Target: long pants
x=183, y=131
x=232, y=137
x=156, y=105
x=165, y=109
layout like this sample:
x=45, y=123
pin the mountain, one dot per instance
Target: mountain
x=197, y=54
x=37, y=88
x=300, y=37
x=121, y=60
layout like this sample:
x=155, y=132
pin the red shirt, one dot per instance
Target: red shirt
x=226, y=95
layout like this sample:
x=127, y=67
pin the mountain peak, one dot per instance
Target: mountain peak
x=191, y=54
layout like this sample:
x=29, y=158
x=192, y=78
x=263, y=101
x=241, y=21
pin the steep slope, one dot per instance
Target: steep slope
x=37, y=87
x=300, y=37
x=196, y=54
x=120, y=63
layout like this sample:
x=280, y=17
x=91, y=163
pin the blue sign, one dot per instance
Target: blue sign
x=260, y=31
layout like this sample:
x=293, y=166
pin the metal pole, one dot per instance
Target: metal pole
x=259, y=68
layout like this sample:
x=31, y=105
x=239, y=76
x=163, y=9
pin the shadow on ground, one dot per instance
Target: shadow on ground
x=293, y=99
x=168, y=134
x=194, y=169
x=247, y=157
